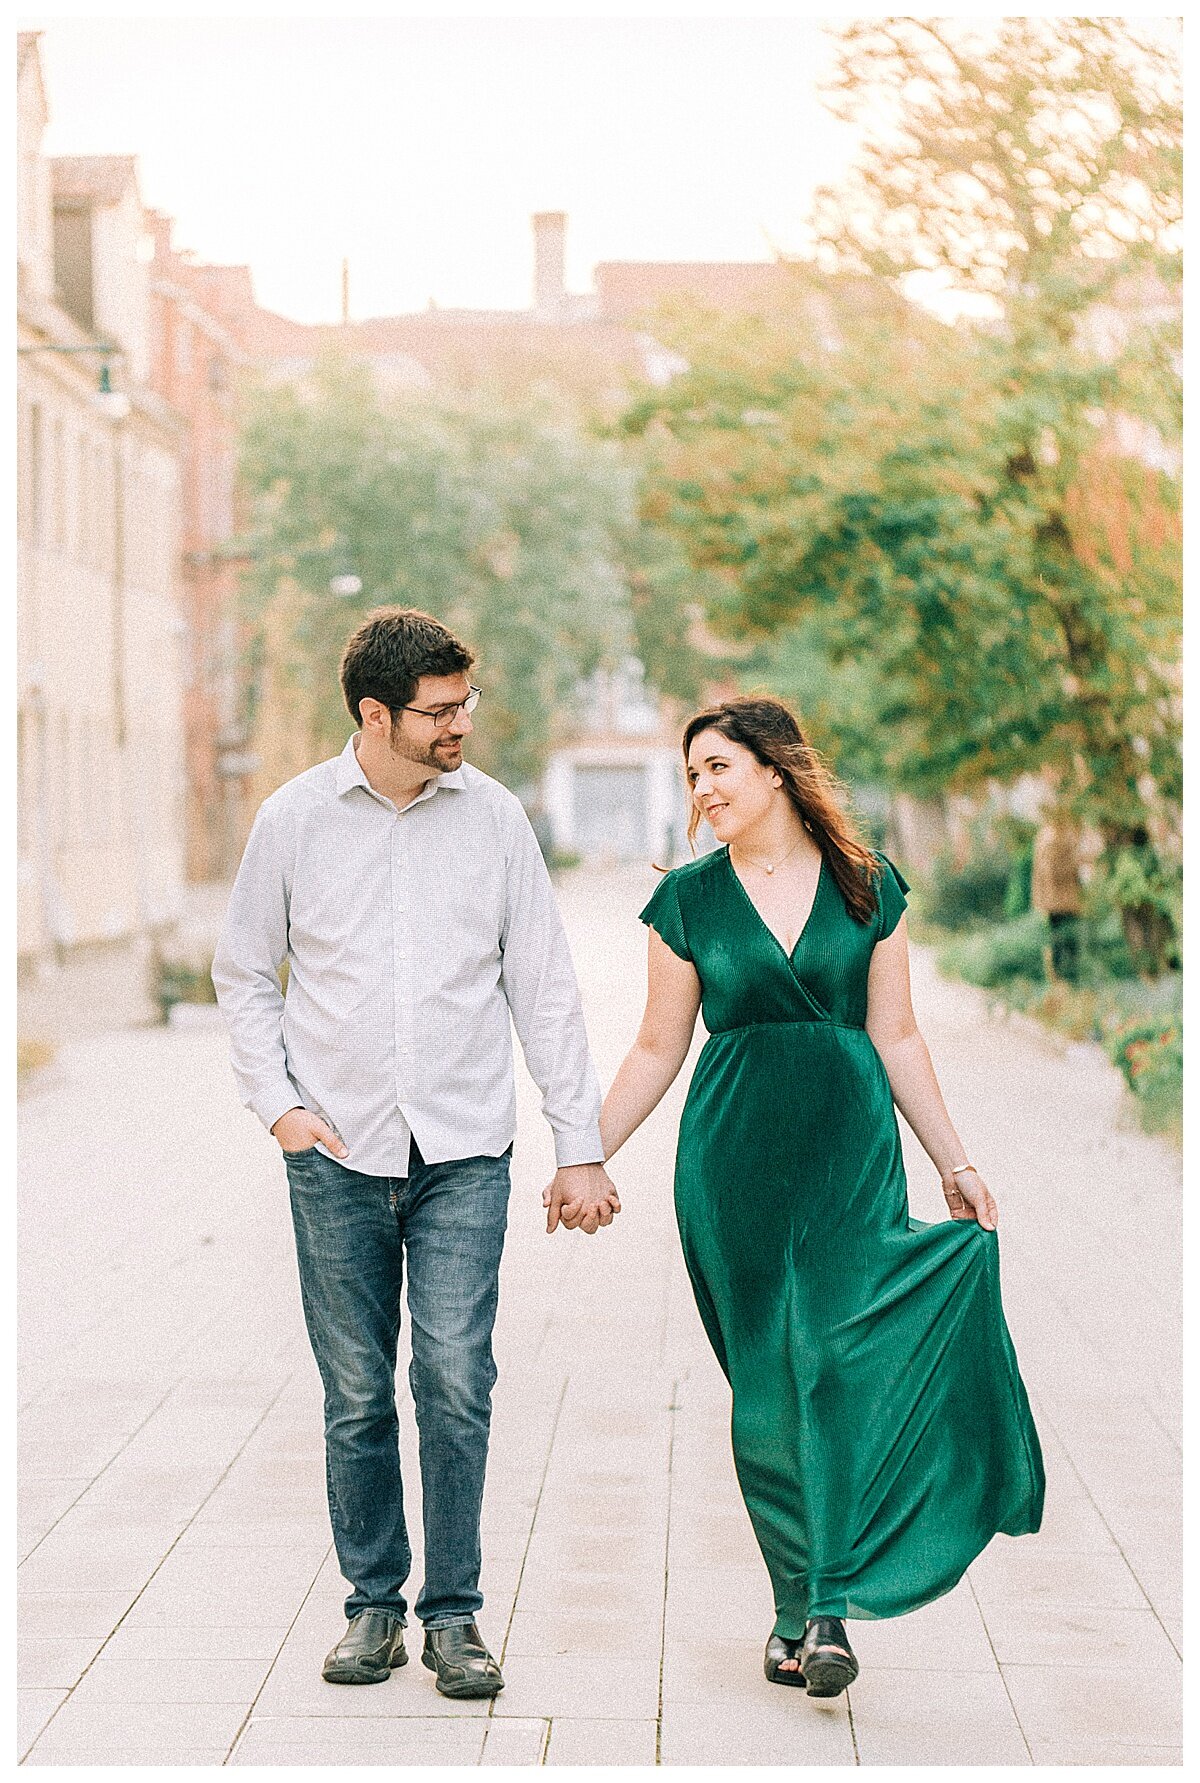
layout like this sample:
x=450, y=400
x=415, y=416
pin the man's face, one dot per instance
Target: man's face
x=418, y=738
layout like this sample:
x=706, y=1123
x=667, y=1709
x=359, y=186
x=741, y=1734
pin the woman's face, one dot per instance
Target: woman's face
x=729, y=785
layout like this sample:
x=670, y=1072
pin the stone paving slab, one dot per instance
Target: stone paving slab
x=172, y=1477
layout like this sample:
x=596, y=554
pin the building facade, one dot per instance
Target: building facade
x=99, y=633
x=196, y=361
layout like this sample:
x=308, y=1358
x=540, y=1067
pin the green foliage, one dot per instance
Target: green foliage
x=950, y=517
x=1148, y=1051
x=993, y=881
x=32, y=1056
x=1000, y=954
x=1019, y=159
x=964, y=897
x=508, y=524
x=1139, y=1024
x=1148, y=892
x=839, y=695
x=181, y=981
x=1018, y=893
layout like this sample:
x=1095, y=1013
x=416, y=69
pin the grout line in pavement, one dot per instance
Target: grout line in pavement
x=1062, y=1443
x=245, y=1722
x=115, y=1456
x=1170, y=1435
x=673, y=1409
x=217, y=1484
x=537, y=1505
x=1003, y=1678
x=1070, y=1315
x=84, y=1338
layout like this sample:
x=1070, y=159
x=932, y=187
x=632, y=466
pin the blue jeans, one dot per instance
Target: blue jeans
x=353, y=1233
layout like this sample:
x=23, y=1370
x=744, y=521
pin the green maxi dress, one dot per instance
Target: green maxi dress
x=881, y=1431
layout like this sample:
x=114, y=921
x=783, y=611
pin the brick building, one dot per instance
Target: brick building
x=196, y=358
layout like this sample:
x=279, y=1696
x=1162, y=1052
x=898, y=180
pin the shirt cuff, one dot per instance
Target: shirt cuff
x=272, y=1104
x=582, y=1147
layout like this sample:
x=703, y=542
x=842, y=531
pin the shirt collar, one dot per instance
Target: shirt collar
x=349, y=773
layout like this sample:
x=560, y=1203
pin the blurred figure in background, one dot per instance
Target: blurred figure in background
x=1056, y=889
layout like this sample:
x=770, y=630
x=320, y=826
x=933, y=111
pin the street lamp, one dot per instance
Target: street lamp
x=114, y=404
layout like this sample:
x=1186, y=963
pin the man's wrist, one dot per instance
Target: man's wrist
x=581, y=1146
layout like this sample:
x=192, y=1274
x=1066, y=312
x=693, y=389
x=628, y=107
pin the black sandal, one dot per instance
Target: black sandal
x=779, y=1649
x=826, y=1657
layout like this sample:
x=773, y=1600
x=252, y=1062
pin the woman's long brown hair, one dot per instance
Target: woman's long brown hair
x=770, y=732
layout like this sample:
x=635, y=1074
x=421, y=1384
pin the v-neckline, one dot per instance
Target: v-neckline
x=789, y=957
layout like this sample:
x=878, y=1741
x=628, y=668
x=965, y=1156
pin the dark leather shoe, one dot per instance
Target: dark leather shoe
x=826, y=1657
x=463, y=1664
x=779, y=1649
x=369, y=1651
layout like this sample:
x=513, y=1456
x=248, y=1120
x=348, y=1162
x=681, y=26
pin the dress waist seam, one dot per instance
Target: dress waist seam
x=816, y=1021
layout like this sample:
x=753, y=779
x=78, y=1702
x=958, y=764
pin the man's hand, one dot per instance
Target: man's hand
x=580, y=1195
x=299, y=1130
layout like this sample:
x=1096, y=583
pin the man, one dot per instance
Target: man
x=408, y=895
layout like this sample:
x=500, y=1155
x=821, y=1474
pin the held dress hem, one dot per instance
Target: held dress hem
x=880, y=1428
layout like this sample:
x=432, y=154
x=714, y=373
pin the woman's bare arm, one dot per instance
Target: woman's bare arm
x=653, y=1062
x=916, y=1092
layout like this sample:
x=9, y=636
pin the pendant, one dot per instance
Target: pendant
x=770, y=869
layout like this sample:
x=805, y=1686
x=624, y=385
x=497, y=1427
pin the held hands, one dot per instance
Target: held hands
x=299, y=1130
x=582, y=1196
x=969, y=1198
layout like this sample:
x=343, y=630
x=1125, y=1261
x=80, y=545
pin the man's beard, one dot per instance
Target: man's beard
x=435, y=756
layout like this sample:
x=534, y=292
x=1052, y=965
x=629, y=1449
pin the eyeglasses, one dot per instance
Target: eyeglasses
x=443, y=716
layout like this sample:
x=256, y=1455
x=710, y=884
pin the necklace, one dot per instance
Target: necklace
x=770, y=866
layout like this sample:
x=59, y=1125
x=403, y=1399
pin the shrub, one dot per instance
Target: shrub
x=1149, y=1054
x=998, y=955
x=1018, y=897
x=963, y=897
x=991, y=885
x=32, y=1055
x=181, y=981
x=1104, y=951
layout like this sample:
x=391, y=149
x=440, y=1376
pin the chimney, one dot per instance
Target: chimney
x=549, y=262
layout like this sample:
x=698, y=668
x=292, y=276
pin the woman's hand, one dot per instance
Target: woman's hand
x=969, y=1198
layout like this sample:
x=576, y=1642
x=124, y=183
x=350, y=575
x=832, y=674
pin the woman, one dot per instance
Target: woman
x=881, y=1432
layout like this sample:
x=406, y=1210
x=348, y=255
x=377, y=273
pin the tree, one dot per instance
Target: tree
x=983, y=517
x=506, y=523
x=1029, y=162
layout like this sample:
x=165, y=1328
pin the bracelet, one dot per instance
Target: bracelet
x=959, y=1168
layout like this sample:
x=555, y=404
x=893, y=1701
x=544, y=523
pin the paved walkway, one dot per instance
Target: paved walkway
x=178, y=1585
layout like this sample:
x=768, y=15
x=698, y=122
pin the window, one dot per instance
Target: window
x=101, y=510
x=82, y=500
x=36, y=472
x=23, y=824
x=60, y=484
x=65, y=754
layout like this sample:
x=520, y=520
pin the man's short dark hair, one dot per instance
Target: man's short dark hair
x=389, y=653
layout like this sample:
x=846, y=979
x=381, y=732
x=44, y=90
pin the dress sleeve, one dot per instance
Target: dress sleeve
x=662, y=913
x=890, y=890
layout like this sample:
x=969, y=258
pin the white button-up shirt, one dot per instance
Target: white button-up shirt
x=410, y=936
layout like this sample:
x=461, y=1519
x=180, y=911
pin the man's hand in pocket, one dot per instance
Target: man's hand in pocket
x=299, y=1130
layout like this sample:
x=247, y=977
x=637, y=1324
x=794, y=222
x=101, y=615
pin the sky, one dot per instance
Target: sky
x=419, y=148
